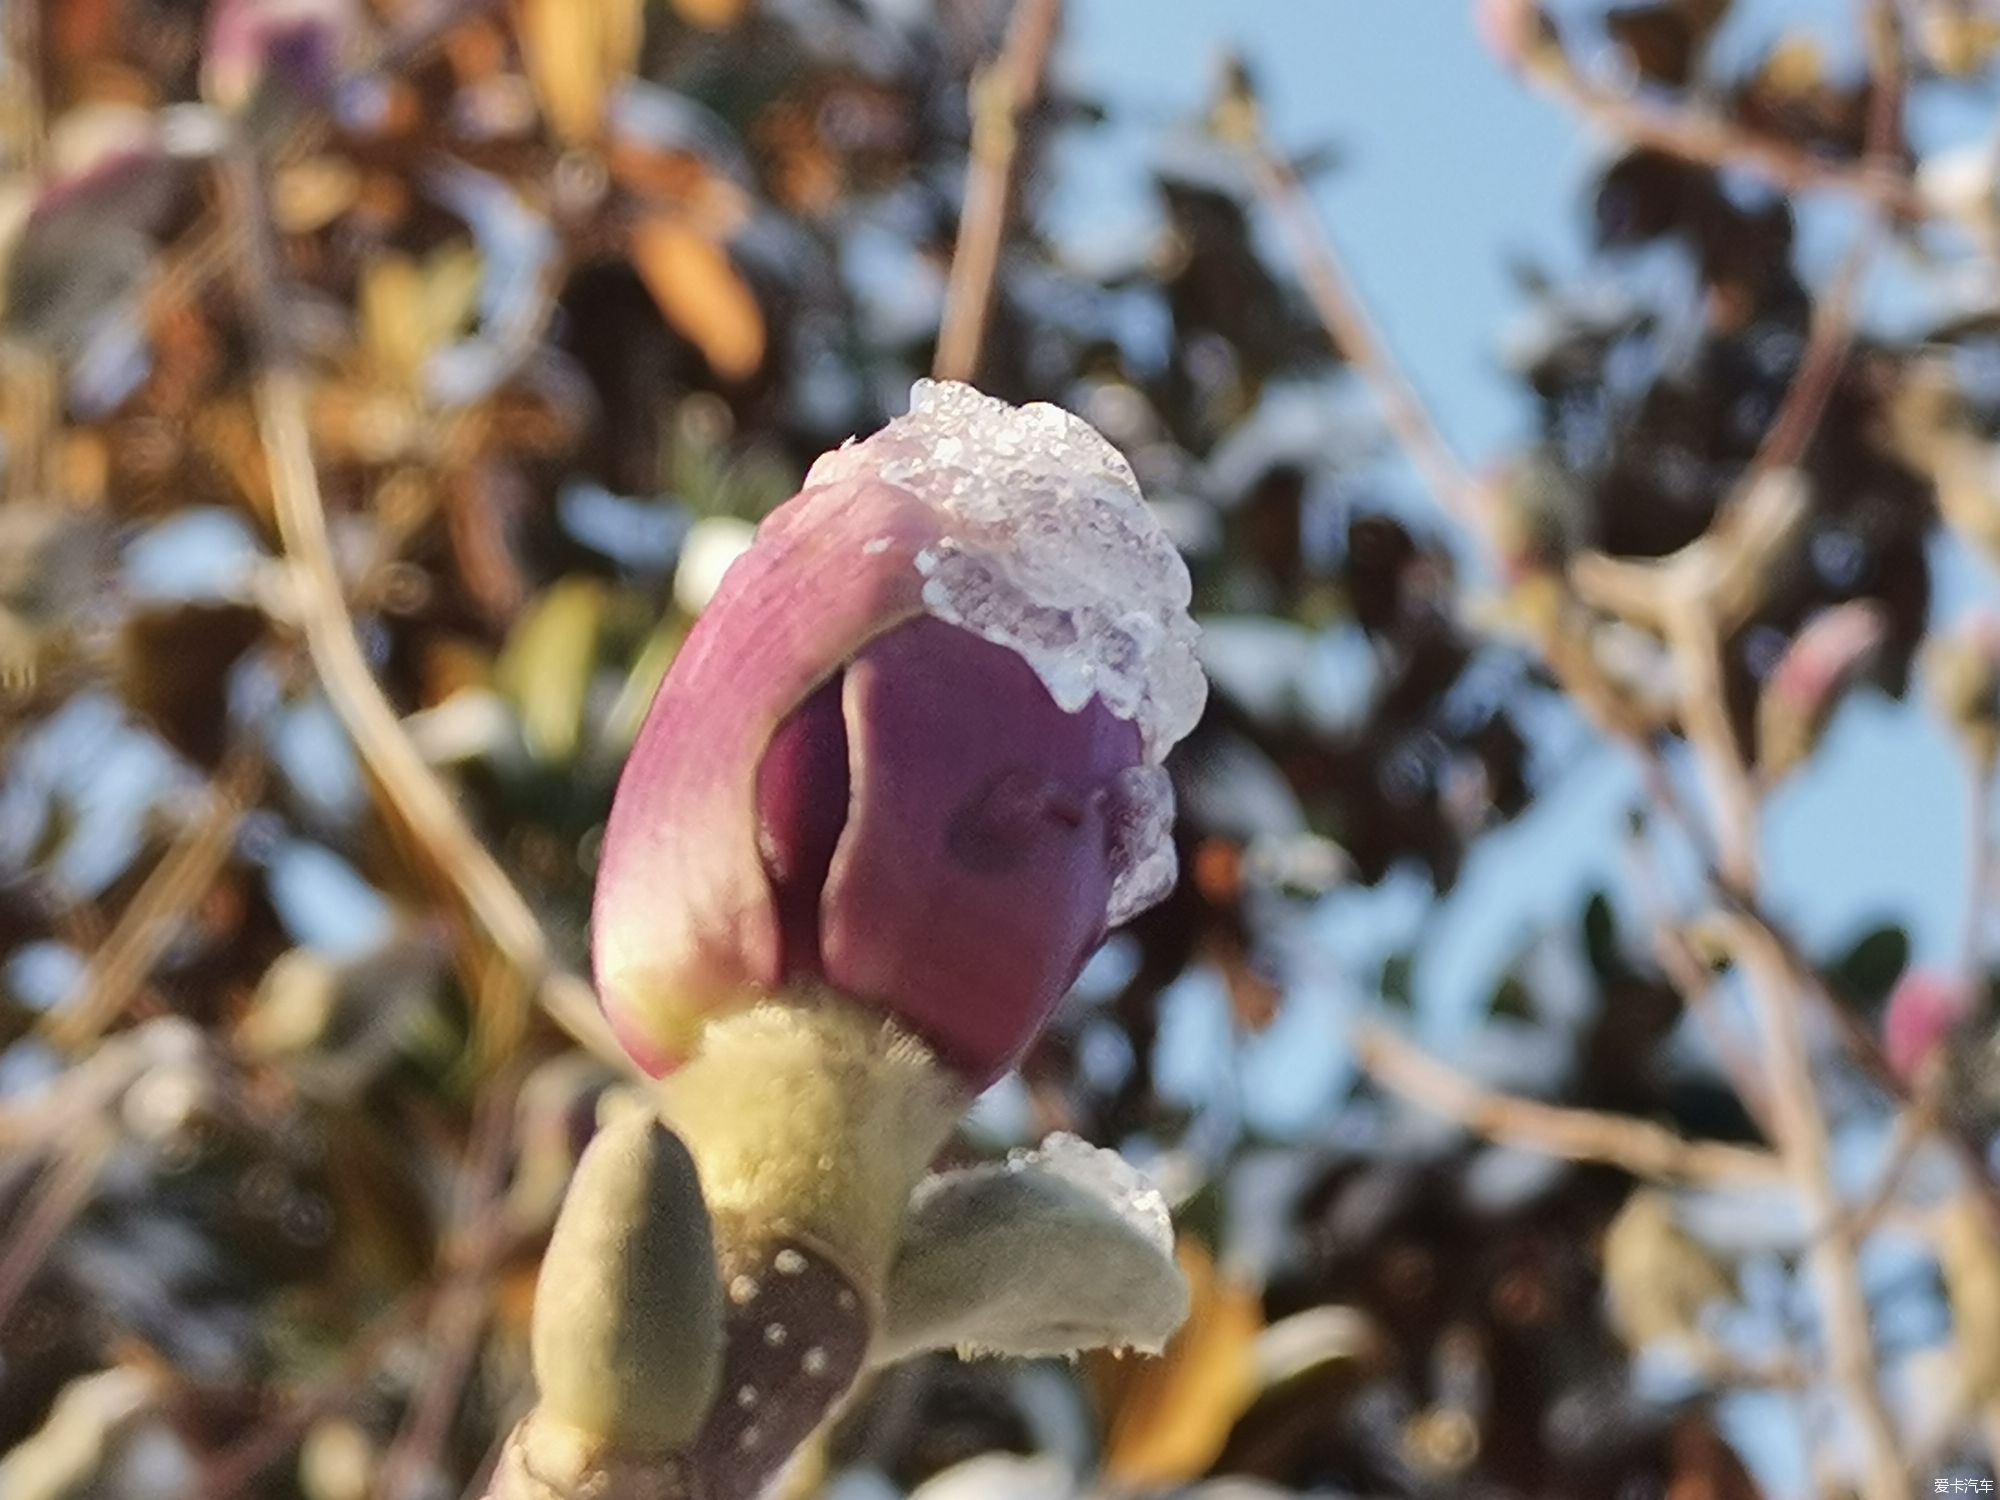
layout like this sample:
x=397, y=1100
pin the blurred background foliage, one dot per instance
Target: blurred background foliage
x=578, y=288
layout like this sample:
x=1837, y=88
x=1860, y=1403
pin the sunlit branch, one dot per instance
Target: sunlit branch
x=1357, y=341
x=1003, y=98
x=1645, y=1150
x=147, y=926
x=406, y=781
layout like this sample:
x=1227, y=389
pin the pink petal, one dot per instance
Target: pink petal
x=684, y=923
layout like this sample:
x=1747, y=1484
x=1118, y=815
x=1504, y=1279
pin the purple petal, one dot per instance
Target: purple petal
x=801, y=810
x=971, y=882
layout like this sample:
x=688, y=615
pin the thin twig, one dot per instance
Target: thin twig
x=1912, y=1128
x=411, y=788
x=1645, y=1150
x=1003, y=99
x=1695, y=982
x=1355, y=338
x=1979, y=871
x=26, y=136
x=146, y=928
x=1805, y=1143
x=1864, y=1051
x=65, y=1189
x=1693, y=632
x=459, y=1315
x=1802, y=1136
x=1711, y=141
x=1972, y=972
x=496, y=1239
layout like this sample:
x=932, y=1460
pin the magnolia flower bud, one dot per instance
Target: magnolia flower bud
x=1923, y=1013
x=1660, y=1283
x=1827, y=658
x=627, y=1334
x=909, y=754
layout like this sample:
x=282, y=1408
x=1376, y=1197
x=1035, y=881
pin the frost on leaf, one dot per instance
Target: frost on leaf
x=1124, y=1189
x=1055, y=1251
x=1050, y=551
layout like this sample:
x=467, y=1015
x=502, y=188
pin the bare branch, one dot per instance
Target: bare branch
x=1637, y=1146
x=407, y=782
x=1711, y=141
x=1354, y=336
x=459, y=1314
x=145, y=929
x=65, y=1188
x=1003, y=97
x=1693, y=626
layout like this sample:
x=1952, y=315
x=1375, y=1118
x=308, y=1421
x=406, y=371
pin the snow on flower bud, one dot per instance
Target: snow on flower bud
x=910, y=752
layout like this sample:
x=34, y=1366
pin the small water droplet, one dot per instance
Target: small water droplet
x=775, y=1334
x=844, y=1300
x=746, y=1396
x=749, y=1438
x=743, y=1289
x=788, y=1262
x=813, y=1361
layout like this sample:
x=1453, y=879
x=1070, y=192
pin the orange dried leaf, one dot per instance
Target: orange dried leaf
x=308, y=195
x=709, y=15
x=1170, y=1417
x=701, y=294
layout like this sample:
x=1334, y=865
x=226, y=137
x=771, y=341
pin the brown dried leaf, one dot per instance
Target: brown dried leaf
x=483, y=506
x=577, y=52
x=701, y=294
x=1168, y=1418
x=1704, y=1467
